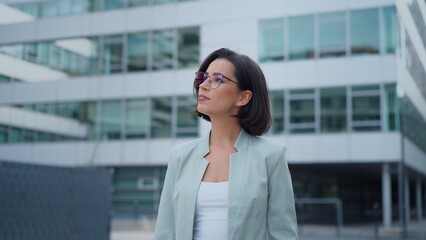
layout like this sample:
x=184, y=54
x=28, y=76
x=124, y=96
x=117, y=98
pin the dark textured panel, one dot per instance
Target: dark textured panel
x=44, y=202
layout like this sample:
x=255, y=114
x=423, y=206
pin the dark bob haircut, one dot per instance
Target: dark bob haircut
x=255, y=117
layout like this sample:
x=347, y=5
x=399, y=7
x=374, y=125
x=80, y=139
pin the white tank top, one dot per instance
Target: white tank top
x=211, y=212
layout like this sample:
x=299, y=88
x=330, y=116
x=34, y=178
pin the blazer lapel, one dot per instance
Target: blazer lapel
x=199, y=165
x=237, y=165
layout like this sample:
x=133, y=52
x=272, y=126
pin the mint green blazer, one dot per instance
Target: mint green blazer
x=260, y=198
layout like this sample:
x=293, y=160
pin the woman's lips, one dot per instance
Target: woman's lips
x=202, y=97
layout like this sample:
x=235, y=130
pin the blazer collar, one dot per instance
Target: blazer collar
x=241, y=143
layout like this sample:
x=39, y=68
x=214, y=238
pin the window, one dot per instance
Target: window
x=112, y=54
x=134, y=3
x=271, y=40
x=162, y=48
x=114, y=4
x=147, y=183
x=50, y=9
x=42, y=137
x=32, y=9
x=364, y=31
x=277, y=111
x=137, y=52
x=333, y=109
x=15, y=135
x=137, y=118
x=3, y=134
x=366, y=108
x=301, y=37
x=69, y=110
x=5, y=79
x=389, y=22
x=110, y=119
x=302, y=111
x=390, y=105
x=28, y=135
x=332, y=34
x=187, y=121
x=188, y=47
x=49, y=108
x=82, y=6
x=161, y=117
x=163, y=1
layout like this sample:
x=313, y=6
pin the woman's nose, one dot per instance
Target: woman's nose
x=205, y=84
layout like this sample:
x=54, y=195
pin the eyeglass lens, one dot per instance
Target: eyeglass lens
x=215, y=79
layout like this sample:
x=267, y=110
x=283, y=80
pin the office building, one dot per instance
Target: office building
x=108, y=83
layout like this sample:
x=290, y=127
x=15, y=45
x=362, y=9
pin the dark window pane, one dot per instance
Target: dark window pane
x=366, y=108
x=188, y=47
x=112, y=54
x=187, y=121
x=110, y=119
x=389, y=14
x=364, y=31
x=137, y=52
x=333, y=109
x=137, y=118
x=277, y=107
x=162, y=50
x=161, y=117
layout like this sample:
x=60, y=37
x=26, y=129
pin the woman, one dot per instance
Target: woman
x=230, y=184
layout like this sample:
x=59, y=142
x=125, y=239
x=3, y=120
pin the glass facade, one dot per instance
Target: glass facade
x=413, y=125
x=139, y=118
x=414, y=65
x=335, y=109
x=418, y=20
x=345, y=33
x=86, y=56
x=57, y=8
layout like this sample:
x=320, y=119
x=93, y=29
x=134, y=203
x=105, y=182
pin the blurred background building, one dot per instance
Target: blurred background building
x=108, y=83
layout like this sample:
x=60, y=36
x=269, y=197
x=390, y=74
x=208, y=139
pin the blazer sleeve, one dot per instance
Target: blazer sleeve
x=165, y=226
x=281, y=220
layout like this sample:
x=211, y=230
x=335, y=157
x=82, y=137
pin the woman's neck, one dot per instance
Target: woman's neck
x=224, y=132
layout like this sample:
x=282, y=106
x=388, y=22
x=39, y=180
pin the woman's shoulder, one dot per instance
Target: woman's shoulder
x=267, y=144
x=186, y=147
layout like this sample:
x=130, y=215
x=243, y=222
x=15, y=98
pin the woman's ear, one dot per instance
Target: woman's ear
x=245, y=97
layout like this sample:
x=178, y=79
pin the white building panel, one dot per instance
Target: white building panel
x=17, y=117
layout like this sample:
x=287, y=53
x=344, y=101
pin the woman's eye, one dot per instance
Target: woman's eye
x=218, y=79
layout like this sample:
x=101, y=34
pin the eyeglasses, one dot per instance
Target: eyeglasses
x=215, y=79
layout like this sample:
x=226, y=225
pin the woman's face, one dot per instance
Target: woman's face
x=221, y=101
